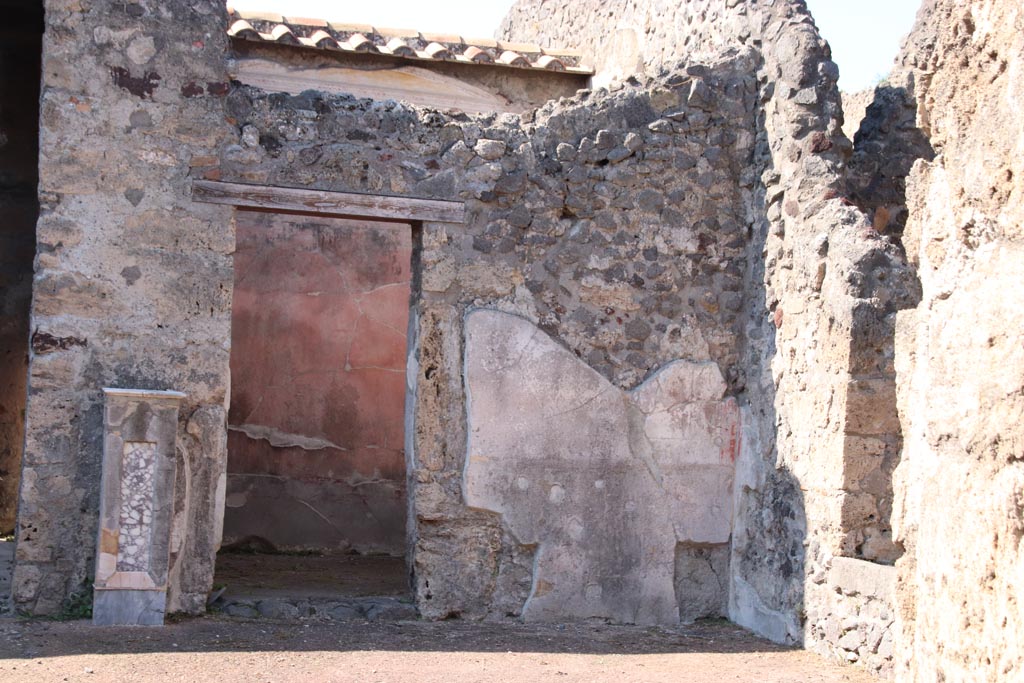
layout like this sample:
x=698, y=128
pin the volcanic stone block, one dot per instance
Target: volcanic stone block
x=604, y=482
x=135, y=507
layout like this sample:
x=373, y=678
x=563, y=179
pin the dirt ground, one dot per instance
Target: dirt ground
x=218, y=648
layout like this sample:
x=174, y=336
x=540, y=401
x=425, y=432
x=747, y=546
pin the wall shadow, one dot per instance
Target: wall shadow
x=768, y=556
x=41, y=639
x=885, y=147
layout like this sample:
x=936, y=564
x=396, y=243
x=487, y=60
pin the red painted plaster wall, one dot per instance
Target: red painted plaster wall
x=315, y=443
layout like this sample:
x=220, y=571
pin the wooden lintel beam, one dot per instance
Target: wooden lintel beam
x=346, y=204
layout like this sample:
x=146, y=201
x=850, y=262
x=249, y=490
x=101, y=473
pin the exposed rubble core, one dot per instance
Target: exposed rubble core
x=671, y=347
x=886, y=143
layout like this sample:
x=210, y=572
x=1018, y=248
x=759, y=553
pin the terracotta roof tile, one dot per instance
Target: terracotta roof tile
x=282, y=34
x=242, y=29
x=475, y=54
x=489, y=43
x=397, y=46
x=389, y=32
x=437, y=51
x=357, y=42
x=443, y=38
x=260, y=16
x=325, y=39
x=550, y=63
x=399, y=42
x=513, y=59
x=305, y=21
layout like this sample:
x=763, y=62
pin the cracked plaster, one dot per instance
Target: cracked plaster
x=603, y=482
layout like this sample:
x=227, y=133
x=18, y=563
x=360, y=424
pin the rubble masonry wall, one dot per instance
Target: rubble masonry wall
x=132, y=280
x=612, y=221
x=821, y=434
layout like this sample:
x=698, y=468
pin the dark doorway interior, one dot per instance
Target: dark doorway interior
x=21, y=33
x=316, y=503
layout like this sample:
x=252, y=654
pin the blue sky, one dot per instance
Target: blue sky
x=864, y=34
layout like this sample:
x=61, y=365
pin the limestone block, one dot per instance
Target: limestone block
x=129, y=607
x=136, y=502
x=605, y=482
x=859, y=577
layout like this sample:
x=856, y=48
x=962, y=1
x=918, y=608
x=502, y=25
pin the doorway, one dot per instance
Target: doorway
x=316, y=490
x=20, y=73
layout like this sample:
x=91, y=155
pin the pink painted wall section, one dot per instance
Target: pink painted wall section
x=321, y=308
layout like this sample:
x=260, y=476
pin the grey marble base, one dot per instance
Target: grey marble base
x=129, y=607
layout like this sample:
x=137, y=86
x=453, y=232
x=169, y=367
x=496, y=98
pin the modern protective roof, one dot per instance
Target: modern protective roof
x=409, y=44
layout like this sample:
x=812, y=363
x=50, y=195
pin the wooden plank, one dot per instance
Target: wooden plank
x=346, y=204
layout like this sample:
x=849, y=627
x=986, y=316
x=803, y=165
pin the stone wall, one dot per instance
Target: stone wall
x=318, y=346
x=132, y=283
x=692, y=214
x=599, y=239
x=959, y=507
x=832, y=287
x=886, y=143
x=855, y=623
x=20, y=47
x=610, y=222
x=821, y=436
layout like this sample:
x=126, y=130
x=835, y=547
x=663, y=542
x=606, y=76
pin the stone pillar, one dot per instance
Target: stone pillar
x=137, y=496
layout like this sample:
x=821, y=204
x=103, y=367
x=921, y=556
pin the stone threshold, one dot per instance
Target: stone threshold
x=369, y=608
